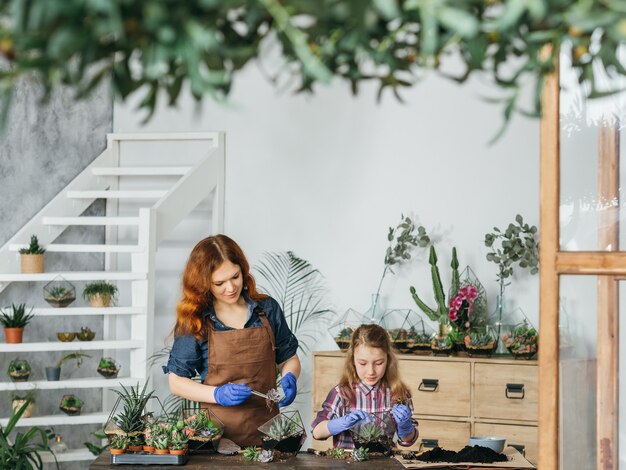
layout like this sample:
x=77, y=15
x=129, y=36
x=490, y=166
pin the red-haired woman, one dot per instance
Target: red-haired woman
x=370, y=383
x=233, y=337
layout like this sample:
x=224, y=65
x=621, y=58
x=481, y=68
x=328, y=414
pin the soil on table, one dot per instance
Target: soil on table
x=289, y=445
x=375, y=447
x=474, y=454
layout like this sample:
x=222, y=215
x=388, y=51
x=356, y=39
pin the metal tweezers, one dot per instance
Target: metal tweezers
x=259, y=394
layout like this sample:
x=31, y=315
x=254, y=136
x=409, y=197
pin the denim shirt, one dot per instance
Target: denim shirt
x=189, y=356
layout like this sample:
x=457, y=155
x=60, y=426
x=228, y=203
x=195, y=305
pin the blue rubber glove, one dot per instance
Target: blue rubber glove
x=288, y=382
x=232, y=394
x=402, y=416
x=338, y=425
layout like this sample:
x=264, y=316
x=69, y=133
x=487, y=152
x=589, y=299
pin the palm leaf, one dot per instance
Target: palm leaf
x=300, y=291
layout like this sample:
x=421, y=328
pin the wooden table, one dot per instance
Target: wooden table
x=236, y=462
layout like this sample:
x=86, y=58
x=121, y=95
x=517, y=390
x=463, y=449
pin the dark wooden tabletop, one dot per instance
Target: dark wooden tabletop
x=237, y=462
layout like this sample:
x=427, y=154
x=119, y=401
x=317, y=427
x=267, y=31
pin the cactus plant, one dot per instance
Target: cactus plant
x=251, y=453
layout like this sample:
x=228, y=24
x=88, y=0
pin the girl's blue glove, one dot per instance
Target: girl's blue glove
x=338, y=425
x=402, y=416
x=288, y=382
x=232, y=394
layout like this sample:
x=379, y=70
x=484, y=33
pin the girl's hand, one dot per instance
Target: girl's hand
x=338, y=425
x=402, y=416
x=288, y=382
x=231, y=394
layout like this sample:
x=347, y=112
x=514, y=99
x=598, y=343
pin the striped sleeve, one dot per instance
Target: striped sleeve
x=331, y=408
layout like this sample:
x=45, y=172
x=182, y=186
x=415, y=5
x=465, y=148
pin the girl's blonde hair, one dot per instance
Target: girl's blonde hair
x=373, y=336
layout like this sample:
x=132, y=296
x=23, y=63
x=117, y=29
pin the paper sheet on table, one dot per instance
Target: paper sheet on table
x=516, y=460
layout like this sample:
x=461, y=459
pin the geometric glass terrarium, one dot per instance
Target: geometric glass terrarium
x=400, y=324
x=420, y=337
x=481, y=341
x=377, y=435
x=59, y=292
x=283, y=433
x=469, y=303
x=204, y=429
x=343, y=328
x=518, y=335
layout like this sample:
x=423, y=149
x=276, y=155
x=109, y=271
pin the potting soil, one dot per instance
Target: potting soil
x=474, y=454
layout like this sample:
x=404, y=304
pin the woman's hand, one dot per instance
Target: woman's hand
x=338, y=425
x=288, y=382
x=232, y=394
x=402, y=416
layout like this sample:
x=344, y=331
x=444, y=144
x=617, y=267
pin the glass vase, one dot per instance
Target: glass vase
x=374, y=313
x=496, y=321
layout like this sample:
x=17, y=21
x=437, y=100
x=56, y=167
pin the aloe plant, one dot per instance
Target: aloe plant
x=16, y=317
x=33, y=247
x=337, y=453
x=251, y=453
x=134, y=403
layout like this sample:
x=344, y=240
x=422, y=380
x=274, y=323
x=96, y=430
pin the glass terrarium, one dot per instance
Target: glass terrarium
x=204, y=429
x=283, y=433
x=481, y=341
x=400, y=324
x=130, y=416
x=522, y=340
x=420, y=336
x=59, y=292
x=377, y=435
x=343, y=328
x=108, y=367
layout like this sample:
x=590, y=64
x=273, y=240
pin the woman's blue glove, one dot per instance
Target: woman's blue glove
x=402, y=416
x=338, y=425
x=232, y=394
x=288, y=382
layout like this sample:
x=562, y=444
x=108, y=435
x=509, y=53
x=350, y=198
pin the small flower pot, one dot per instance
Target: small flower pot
x=66, y=336
x=99, y=301
x=161, y=451
x=17, y=404
x=149, y=449
x=135, y=448
x=53, y=373
x=19, y=377
x=32, y=264
x=85, y=335
x=117, y=451
x=177, y=451
x=14, y=335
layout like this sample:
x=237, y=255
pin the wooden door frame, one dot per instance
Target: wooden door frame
x=610, y=266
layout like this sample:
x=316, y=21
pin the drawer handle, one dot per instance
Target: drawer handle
x=428, y=385
x=520, y=448
x=429, y=443
x=514, y=389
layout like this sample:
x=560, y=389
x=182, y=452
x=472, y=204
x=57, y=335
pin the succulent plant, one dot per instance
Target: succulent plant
x=136, y=440
x=178, y=440
x=118, y=441
x=282, y=428
x=101, y=288
x=33, y=247
x=162, y=442
x=19, y=369
x=370, y=432
x=523, y=338
x=16, y=317
x=134, y=402
x=479, y=339
x=251, y=453
x=77, y=355
x=345, y=333
x=360, y=454
x=200, y=424
x=337, y=453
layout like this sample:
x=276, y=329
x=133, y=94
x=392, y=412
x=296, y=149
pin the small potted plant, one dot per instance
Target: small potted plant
x=376, y=436
x=19, y=400
x=59, y=293
x=136, y=442
x=118, y=444
x=53, y=373
x=162, y=444
x=442, y=345
x=203, y=429
x=108, y=367
x=85, y=334
x=19, y=370
x=32, y=258
x=178, y=442
x=522, y=342
x=344, y=337
x=71, y=405
x=481, y=342
x=66, y=336
x=100, y=294
x=14, y=320
x=283, y=433
x=151, y=431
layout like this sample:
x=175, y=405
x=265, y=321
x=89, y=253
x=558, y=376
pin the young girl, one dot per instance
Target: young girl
x=369, y=383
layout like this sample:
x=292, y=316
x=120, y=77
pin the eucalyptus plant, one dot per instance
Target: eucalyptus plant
x=167, y=45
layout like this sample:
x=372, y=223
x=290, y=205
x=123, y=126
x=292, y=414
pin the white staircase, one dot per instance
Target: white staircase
x=146, y=199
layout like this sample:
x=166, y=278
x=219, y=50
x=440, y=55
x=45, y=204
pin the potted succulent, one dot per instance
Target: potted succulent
x=283, y=433
x=481, y=342
x=53, y=373
x=136, y=442
x=128, y=416
x=71, y=405
x=14, y=320
x=21, y=451
x=85, y=334
x=19, y=370
x=376, y=436
x=203, y=428
x=419, y=341
x=344, y=337
x=162, y=444
x=522, y=342
x=59, y=293
x=151, y=431
x=400, y=339
x=29, y=399
x=178, y=442
x=100, y=294
x=32, y=258
x=108, y=367
x=118, y=444
x=442, y=345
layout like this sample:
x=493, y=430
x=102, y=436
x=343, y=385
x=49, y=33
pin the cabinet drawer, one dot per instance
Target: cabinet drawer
x=517, y=435
x=327, y=374
x=506, y=391
x=451, y=435
x=438, y=388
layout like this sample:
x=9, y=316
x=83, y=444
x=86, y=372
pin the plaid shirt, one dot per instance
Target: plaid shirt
x=366, y=398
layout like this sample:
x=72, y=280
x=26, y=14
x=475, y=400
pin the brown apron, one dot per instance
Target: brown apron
x=245, y=356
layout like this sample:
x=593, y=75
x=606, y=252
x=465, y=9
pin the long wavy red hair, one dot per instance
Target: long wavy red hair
x=374, y=336
x=207, y=256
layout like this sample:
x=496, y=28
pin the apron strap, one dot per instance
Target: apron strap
x=268, y=328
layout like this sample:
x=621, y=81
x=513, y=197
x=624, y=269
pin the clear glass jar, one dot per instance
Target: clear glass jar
x=58, y=446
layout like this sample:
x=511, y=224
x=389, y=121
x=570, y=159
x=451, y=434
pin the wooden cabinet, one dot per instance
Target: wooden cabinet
x=456, y=397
